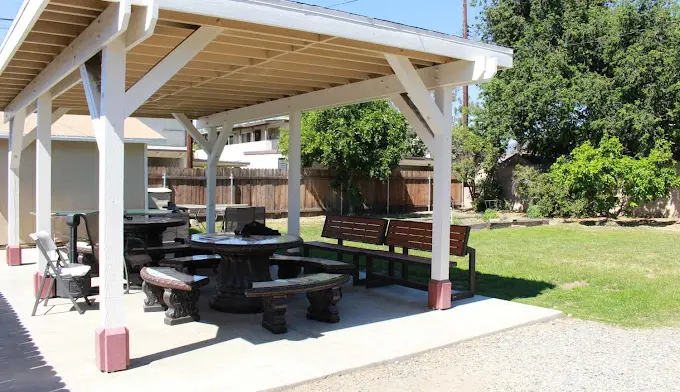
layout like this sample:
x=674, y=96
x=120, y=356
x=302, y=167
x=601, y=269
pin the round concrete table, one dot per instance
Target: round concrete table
x=244, y=260
x=151, y=228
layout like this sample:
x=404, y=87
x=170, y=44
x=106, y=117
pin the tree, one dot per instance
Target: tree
x=583, y=69
x=362, y=140
x=603, y=181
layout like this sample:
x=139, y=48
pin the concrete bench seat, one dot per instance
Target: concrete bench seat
x=172, y=291
x=323, y=292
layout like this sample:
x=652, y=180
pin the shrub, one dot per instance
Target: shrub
x=534, y=212
x=602, y=180
x=490, y=214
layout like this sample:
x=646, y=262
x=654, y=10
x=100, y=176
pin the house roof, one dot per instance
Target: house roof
x=250, y=52
x=79, y=128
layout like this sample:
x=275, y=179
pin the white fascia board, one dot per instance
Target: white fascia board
x=108, y=26
x=319, y=20
x=28, y=14
x=454, y=74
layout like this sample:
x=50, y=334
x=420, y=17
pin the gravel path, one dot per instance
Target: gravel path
x=563, y=355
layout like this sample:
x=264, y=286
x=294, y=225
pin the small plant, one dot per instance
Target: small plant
x=490, y=214
x=534, y=212
x=457, y=221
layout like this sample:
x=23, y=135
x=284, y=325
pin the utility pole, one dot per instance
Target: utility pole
x=466, y=102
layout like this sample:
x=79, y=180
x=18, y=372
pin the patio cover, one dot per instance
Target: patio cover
x=220, y=63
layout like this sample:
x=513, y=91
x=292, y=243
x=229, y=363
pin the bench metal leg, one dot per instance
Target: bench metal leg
x=181, y=306
x=470, y=292
x=322, y=305
x=154, y=298
x=274, y=316
x=355, y=276
x=472, y=270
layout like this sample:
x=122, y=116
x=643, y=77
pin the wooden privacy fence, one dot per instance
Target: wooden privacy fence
x=409, y=190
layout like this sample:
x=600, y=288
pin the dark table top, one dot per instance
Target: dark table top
x=229, y=242
x=144, y=223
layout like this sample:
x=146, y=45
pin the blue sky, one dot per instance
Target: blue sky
x=440, y=15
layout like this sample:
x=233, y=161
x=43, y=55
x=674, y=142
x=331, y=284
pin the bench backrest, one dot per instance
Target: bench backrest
x=418, y=235
x=350, y=228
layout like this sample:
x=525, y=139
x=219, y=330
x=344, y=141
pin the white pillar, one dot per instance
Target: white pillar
x=294, y=173
x=211, y=183
x=442, y=189
x=43, y=169
x=146, y=176
x=109, y=128
x=15, y=145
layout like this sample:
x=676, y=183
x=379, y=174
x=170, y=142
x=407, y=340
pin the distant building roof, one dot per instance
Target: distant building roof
x=79, y=128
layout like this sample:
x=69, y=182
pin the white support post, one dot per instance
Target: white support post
x=440, y=286
x=112, y=338
x=146, y=177
x=31, y=136
x=16, y=135
x=210, y=184
x=294, y=168
x=43, y=168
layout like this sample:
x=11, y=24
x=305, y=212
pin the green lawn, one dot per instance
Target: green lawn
x=623, y=276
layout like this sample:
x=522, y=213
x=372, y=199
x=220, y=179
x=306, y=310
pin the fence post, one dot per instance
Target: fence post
x=388, y=195
x=429, y=192
x=231, y=187
x=342, y=202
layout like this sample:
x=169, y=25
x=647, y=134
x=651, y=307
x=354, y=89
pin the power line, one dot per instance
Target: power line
x=7, y=19
x=343, y=3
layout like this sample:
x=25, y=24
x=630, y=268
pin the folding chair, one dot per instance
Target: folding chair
x=58, y=269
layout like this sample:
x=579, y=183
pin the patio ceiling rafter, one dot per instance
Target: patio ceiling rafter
x=108, y=26
x=159, y=75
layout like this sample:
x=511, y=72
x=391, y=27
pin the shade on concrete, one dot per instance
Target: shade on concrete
x=233, y=353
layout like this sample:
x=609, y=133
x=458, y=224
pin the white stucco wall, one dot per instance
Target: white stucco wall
x=170, y=129
x=75, y=179
x=258, y=155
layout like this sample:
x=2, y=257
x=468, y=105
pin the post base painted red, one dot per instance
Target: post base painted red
x=439, y=294
x=46, y=293
x=13, y=255
x=112, y=349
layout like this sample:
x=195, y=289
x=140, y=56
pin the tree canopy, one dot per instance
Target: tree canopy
x=583, y=69
x=362, y=140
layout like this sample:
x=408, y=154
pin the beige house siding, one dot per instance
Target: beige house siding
x=75, y=175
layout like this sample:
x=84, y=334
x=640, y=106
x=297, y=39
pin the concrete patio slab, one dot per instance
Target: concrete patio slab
x=232, y=352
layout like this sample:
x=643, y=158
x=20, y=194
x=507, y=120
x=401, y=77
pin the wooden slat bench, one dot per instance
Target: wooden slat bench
x=290, y=266
x=175, y=292
x=323, y=292
x=345, y=228
x=190, y=263
x=417, y=235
